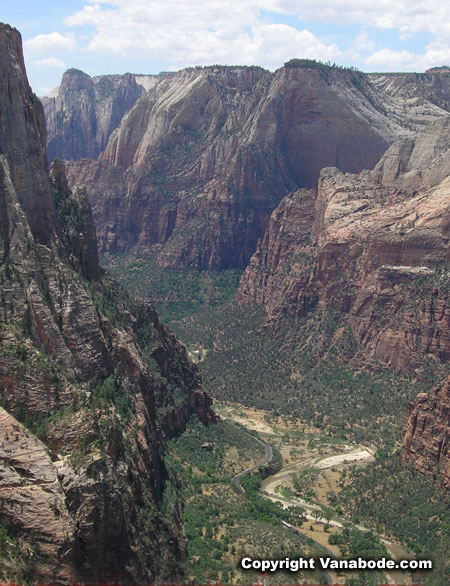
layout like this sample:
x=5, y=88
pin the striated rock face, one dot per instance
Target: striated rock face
x=33, y=499
x=195, y=168
x=81, y=117
x=373, y=248
x=418, y=91
x=90, y=382
x=426, y=432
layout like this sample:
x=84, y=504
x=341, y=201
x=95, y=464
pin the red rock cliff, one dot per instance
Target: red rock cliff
x=426, y=432
x=373, y=248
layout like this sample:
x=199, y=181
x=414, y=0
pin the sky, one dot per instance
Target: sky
x=149, y=36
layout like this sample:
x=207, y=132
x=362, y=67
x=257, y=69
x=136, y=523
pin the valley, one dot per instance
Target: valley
x=224, y=323
x=335, y=429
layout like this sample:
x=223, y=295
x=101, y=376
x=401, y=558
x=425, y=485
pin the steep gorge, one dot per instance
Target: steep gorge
x=194, y=173
x=372, y=249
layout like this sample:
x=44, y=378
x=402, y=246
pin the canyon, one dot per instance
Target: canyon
x=373, y=249
x=328, y=185
x=194, y=169
x=329, y=188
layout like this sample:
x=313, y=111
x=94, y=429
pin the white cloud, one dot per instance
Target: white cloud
x=406, y=16
x=269, y=51
x=50, y=62
x=182, y=32
x=51, y=43
x=437, y=53
x=396, y=60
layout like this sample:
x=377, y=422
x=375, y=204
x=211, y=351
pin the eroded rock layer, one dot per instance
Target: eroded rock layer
x=91, y=383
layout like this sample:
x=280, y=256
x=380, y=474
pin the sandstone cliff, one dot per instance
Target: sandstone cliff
x=85, y=110
x=91, y=383
x=195, y=168
x=373, y=248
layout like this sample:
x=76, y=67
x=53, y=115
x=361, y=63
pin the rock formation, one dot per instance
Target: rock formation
x=195, y=168
x=22, y=133
x=426, y=432
x=373, y=248
x=85, y=110
x=91, y=383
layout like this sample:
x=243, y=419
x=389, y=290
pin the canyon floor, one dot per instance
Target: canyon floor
x=317, y=453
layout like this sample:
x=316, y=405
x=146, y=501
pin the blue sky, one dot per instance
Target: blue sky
x=149, y=36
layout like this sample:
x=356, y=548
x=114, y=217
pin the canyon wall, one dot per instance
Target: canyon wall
x=193, y=171
x=91, y=383
x=371, y=247
x=373, y=250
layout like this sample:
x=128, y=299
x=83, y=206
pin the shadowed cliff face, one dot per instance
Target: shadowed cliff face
x=91, y=383
x=195, y=168
x=22, y=134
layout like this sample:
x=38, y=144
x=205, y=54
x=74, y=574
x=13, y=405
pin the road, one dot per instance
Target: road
x=321, y=462
x=268, y=450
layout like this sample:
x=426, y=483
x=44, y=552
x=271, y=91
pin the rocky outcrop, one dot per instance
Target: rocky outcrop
x=88, y=377
x=195, y=168
x=34, y=502
x=372, y=248
x=426, y=432
x=85, y=110
x=76, y=222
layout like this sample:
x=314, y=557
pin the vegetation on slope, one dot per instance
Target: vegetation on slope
x=311, y=377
